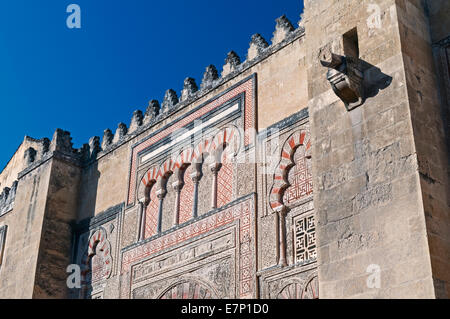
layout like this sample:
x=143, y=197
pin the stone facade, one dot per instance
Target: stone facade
x=317, y=164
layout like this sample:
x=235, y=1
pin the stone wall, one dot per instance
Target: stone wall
x=23, y=238
x=55, y=248
x=367, y=161
x=430, y=126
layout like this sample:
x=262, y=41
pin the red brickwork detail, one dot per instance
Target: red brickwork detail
x=186, y=197
x=244, y=212
x=280, y=182
x=246, y=87
x=97, y=260
x=225, y=184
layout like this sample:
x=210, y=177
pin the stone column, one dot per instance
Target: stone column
x=282, y=237
x=215, y=168
x=177, y=186
x=160, y=194
x=196, y=176
x=142, y=216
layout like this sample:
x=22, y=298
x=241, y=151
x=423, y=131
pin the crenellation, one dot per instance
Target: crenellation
x=189, y=89
x=152, y=111
x=121, y=132
x=282, y=29
x=136, y=121
x=108, y=138
x=209, y=77
x=232, y=63
x=94, y=147
x=257, y=46
x=62, y=142
x=169, y=102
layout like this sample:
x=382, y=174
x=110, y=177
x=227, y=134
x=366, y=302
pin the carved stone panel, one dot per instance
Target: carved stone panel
x=216, y=251
x=187, y=290
x=292, y=282
x=305, y=238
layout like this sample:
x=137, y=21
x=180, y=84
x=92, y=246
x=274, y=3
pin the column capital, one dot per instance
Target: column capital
x=196, y=177
x=161, y=193
x=178, y=185
x=215, y=167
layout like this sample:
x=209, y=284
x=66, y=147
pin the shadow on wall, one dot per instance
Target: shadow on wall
x=91, y=192
x=82, y=231
x=374, y=80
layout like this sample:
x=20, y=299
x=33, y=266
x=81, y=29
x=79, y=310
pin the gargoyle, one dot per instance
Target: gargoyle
x=346, y=79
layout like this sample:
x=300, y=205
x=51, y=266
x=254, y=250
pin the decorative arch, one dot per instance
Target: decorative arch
x=183, y=170
x=280, y=178
x=188, y=289
x=311, y=289
x=190, y=160
x=297, y=289
x=292, y=290
x=184, y=158
x=150, y=175
x=167, y=167
x=191, y=155
x=148, y=180
x=223, y=140
x=203, y=147
x=100, y=247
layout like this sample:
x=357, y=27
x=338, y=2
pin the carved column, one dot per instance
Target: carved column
x=282, y=236
x=160, y=194
x=196, y=176
x=142, y=216
x=177, y=186
x=215, y=168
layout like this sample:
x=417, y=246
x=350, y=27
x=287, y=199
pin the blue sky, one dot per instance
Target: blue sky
x=126, y=53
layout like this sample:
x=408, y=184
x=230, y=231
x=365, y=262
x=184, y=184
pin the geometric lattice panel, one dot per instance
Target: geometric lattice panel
x=305, y=239
x=225, y=184
x=186, y=197
x=300, y=178
x=151, y=218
